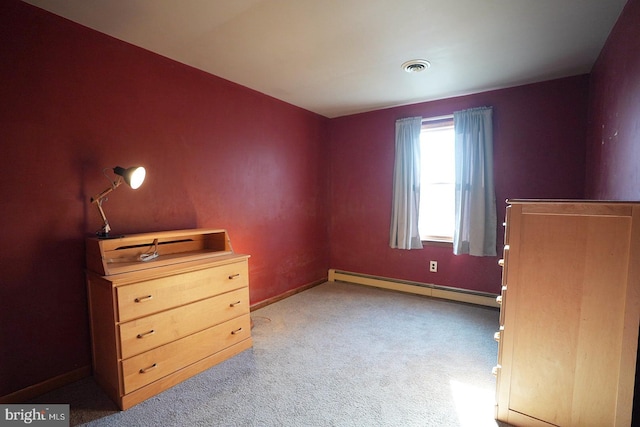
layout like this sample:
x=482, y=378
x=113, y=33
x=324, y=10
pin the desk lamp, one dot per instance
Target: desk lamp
x=133, y=176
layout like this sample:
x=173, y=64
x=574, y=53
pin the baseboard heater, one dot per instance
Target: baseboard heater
x=435, y=291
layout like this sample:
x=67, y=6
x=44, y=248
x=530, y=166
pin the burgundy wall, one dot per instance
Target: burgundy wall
x=613, y=144
x=217, y=155
x=539, y=133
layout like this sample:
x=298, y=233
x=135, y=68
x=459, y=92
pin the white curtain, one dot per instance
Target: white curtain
x=406, y=185
x=475, y=222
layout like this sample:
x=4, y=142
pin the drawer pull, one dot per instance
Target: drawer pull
x=145, y=370
x=234, y=276
x=501, y=262
x=233, y=304
x=143, y=299
x=496, y=336
x=499, y=299
x=495, y=370
x=236, y=332
x=144, y=334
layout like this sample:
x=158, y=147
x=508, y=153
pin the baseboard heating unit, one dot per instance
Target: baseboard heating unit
x=435, y=291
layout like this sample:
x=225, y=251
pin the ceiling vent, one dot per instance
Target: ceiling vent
x=416, y=65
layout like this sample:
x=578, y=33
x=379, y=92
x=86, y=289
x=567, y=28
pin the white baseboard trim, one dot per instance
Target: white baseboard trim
x=430, y=290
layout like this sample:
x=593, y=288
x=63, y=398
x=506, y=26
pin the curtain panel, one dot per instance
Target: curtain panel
x=475, y=200
x=406, y=185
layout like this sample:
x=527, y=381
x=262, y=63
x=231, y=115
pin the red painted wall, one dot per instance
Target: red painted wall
x=217, y=155
x=539, y=134
x=613, y=145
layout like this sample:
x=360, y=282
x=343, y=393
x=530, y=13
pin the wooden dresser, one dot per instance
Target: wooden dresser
x=164, y=306
x=570, y=312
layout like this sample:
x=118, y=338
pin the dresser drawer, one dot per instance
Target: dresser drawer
x=140, y=335
x=151, y=296
x=145, y=368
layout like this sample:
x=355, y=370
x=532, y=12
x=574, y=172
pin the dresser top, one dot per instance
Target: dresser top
x=144, y=251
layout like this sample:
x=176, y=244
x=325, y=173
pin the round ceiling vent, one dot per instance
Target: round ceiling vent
x=416, y=65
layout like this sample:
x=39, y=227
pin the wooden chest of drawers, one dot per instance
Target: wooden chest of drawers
x=570, y=312
x=156, y=323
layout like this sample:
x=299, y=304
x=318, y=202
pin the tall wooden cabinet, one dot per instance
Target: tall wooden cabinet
x=570, y=312
x=164, y=306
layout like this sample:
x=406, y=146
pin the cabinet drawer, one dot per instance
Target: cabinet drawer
x=151, y=296
x=145, y=368
x=138, y=336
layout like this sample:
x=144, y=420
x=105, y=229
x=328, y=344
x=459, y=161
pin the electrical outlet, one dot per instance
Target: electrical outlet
x=433, y=266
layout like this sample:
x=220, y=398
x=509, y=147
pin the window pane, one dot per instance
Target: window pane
x=437, y=155
x=437, y=213
x=437, y=186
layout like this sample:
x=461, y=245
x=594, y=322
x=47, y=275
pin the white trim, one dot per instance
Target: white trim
x=430, y=290
x=437, y=118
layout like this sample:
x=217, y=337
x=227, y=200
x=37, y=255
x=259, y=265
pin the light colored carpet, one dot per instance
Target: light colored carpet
x=335, y=355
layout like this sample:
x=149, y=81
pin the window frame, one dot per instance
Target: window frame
x=434, y=123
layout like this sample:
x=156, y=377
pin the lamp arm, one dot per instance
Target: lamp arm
x=106, y=228
x=98, y=199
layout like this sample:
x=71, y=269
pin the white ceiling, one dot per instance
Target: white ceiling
x=338, y=57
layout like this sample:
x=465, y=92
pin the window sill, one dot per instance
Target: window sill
x=442, y=243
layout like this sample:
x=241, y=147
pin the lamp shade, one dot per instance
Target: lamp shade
x=133, y=176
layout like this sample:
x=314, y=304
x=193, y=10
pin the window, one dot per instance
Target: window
x=437, y=180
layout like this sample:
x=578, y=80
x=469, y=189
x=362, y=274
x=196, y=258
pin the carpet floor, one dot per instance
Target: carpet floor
x=335, y=355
